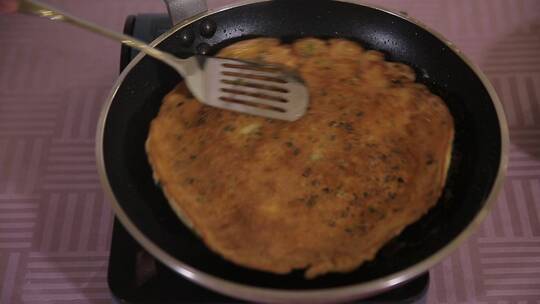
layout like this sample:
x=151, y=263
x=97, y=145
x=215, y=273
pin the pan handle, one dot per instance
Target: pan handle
x=180, y=10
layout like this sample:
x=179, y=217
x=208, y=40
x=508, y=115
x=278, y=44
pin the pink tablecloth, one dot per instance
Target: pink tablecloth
x=55, y=224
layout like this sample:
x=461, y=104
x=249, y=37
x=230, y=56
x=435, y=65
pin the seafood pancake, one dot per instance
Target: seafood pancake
x=323, y=193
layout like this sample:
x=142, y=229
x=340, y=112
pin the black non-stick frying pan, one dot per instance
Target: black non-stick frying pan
x=477, y=166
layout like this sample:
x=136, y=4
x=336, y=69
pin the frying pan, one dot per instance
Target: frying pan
x=477, y=167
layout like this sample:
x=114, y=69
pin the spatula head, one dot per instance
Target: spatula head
x=258, y=89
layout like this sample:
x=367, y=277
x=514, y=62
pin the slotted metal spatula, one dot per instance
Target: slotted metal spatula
x=247, y=87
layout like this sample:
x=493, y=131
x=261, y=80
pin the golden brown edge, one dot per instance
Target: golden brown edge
x=174, y=205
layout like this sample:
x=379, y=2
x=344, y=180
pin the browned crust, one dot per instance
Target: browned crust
x=324, y=193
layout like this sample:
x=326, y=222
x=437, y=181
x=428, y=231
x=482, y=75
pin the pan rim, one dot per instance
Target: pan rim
x=353, y=291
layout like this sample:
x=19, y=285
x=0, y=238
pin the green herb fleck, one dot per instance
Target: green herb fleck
x=295, y=149
x=200, y=199
x=341, y=193
x=312, y=200
x=309, y=49
x=228, y=128
x=346, y=126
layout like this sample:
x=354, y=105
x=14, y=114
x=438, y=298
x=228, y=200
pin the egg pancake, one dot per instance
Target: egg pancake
x=323, y=193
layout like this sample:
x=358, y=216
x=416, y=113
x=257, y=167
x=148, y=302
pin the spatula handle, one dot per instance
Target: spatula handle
x=32, y=7
x=181, y=10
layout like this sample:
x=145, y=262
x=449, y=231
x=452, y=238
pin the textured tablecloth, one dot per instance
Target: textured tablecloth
x=55, y=223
